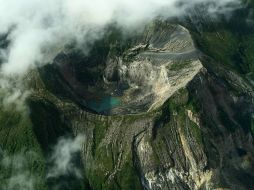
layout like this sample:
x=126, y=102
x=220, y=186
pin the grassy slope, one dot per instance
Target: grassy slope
x=229, y=41
x=18, y=142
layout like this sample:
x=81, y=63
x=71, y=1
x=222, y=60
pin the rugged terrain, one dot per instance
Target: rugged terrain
x=168, y=108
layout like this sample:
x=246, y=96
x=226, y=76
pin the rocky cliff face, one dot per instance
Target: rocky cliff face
x=154, y=113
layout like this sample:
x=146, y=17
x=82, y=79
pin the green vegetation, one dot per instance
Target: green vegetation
x=196, y=131
x=252, y=125
x=103, y=173
x=230, y=42
x=177, y=66
x=20, y=150
x=99, y=132
x=174, y=117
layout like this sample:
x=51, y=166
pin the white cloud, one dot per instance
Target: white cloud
x=39, y=29
x=63, y=155
x=62, y=160
x=13, y=93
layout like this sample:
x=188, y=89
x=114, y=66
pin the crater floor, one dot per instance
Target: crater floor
x=159, y=62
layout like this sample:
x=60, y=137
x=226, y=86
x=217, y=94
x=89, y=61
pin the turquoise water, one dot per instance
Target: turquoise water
x=104, y=104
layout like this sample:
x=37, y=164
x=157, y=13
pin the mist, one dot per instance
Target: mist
x=62, y=156
x=19, y=170
x=16, y=171
x=38, y=30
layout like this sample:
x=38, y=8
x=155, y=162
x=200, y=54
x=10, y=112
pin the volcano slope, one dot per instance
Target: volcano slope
x=154, y=113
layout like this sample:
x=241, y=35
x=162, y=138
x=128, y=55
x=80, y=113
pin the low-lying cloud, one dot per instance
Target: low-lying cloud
x=16, y=171
x=13, y=94
x=19, y=172
x=62, y=157
x=38, y=30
